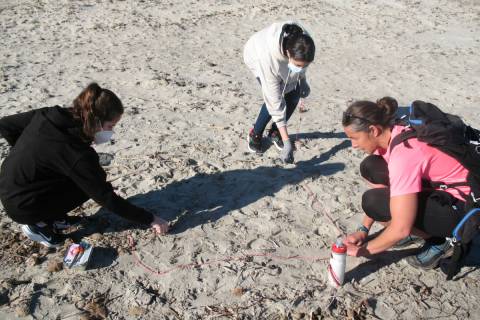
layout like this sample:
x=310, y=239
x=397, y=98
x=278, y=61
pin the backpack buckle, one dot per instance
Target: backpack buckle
x=476, y=200
x=443, y=187
x=452, y=241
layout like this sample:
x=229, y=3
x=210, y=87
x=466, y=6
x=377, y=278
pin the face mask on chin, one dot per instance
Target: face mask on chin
x=103, y=136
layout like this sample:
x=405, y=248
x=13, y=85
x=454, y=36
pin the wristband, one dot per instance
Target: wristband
x=363, y=229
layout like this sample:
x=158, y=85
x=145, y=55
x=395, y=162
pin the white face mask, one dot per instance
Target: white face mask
x=294, y=69
x=103, y=136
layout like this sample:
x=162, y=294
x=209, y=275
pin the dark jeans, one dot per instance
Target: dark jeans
x=53, y=205
x=291, y=100
x=438, y=211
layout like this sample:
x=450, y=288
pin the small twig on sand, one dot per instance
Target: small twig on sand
x=74, y=314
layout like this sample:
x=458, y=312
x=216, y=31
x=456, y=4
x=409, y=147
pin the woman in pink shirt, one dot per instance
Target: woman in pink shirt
x=399, y=199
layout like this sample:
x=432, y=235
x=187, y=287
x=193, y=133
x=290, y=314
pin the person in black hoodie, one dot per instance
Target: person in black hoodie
x=52, y=168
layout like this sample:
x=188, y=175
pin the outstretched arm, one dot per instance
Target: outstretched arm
x=91, y=178
x=403, y=210
x=11, y=127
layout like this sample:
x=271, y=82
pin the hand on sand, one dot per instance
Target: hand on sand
x=301, y=106
x=287, y=152
x=159, y=225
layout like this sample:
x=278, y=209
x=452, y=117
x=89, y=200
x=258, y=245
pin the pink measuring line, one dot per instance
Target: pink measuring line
x=226, y=259
x=334, y=276
x=301, y=106
x=324, y=212
x=244, y=257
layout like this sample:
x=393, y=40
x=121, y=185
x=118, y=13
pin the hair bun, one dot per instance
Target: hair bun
x=95, y=89
x=388, y=105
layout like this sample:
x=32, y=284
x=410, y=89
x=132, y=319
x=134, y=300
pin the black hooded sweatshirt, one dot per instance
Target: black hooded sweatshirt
x=49, y=153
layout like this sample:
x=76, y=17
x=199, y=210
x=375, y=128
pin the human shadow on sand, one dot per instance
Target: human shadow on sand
x=267, y=143
x=384, y=259
x=376, y=262
x=320, y=135
x=208, y=197
x=102, y=257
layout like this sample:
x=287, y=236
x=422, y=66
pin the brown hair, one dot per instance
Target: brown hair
x=361, y=114
x=96, y=105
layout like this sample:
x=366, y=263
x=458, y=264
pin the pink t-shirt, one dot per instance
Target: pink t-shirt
x=409, y=166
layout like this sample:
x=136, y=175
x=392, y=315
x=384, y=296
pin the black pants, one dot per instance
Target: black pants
x=438, y=211
x=50, y=206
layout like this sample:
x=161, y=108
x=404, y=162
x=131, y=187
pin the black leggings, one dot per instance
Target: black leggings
x=53, y=205
x=438, y=211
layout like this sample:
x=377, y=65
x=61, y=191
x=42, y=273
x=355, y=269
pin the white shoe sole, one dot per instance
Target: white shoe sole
x=37, y=238
x=276, y=145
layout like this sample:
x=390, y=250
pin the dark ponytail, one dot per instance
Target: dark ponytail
x=361, y=114
x=95, y=105
x=297, y=43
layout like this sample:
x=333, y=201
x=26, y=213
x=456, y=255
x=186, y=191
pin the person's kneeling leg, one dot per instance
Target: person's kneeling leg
x=376, y=205
x=38, y=223
x=374, y=169
x=438, y=214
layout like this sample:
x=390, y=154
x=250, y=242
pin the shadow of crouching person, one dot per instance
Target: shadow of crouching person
x=208, y=197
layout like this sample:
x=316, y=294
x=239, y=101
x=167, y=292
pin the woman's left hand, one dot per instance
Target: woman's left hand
x=356, y=238
x=286, y=155
x=159, y=225
x=356, y=251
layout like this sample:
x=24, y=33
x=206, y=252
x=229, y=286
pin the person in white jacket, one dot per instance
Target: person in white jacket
x=278, y=57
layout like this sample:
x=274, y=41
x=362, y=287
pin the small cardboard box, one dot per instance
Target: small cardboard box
x=78, y=255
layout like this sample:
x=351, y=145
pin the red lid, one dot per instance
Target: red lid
x=339, y=249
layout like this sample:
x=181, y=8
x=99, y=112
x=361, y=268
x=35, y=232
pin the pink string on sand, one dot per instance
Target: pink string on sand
x=324, y=212
x=302, y=109
x=246, y=257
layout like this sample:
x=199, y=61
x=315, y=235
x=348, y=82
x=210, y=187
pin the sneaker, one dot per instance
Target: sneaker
x=43, y=235
x=67, y=222
x=276, y=138
x=430, y=255
x=408, y=240
x=254, y=142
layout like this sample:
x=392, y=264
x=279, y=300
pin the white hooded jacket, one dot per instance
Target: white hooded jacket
x=263, y=56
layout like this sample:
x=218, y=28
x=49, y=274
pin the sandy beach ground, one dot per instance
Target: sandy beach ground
x=250, y=236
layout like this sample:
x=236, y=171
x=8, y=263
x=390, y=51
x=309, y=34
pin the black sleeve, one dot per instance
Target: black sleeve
x=11, y=127
x=91, y=178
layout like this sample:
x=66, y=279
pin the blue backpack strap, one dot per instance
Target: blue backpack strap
x=412, y=121
x=459, y=249
x=406, y=121
x=462, y=222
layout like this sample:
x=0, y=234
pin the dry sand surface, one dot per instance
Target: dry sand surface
x=180, y=151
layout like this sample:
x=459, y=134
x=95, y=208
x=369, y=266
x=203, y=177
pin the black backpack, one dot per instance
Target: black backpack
x=451, y=135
